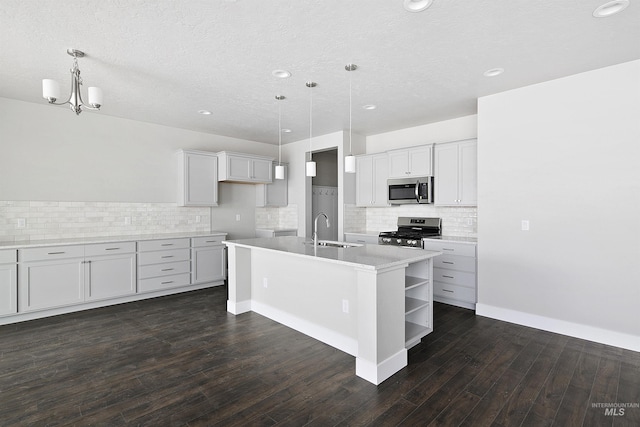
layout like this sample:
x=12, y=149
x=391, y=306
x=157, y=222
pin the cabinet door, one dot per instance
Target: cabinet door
x=468, y=176
x=274, y=194
x=446, y=174
x=8, y=289
x=420, y=161
x=110, y=276
x=364, y=181
x=380, y=175
x=398, y=163
x=238, y=168
x=50, y=284
x=261, y=170
x=200, y=180
x=207, y=264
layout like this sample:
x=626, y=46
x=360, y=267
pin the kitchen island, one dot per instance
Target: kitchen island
x=373, y=302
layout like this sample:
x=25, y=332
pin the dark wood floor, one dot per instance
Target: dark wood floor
x=183, y=360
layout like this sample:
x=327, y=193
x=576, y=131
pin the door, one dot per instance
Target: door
x=50, y=284
x=446, y=174
x=110, y=276
x=208, y=264
x=8, y=289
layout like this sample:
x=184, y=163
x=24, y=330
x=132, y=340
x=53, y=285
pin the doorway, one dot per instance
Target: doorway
x=324, y=188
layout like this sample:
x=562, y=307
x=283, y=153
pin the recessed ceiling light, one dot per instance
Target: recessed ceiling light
x=286, y=130
x=369, y=107
x=417, y=5
x=493, y=72
x=610, y=8
x=281, y=74
x=204, y=112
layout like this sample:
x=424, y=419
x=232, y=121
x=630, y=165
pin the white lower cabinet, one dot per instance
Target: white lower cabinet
x=208, y=263
x=363, y=238
x=454, y=273
x=110, y=270
x=8, y=282
x=160, y=264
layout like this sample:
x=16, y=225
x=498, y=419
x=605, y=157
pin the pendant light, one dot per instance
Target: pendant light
x=350, y=160
x=310, y=165
x=279, y=168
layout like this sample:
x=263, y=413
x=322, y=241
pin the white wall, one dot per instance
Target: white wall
x=445, y=131
x=565, y=155
x=49, y=153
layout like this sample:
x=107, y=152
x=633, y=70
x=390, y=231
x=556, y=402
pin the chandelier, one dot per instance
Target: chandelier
x=51, y=89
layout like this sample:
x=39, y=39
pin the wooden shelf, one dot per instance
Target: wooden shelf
x=412, y=282
x=413, y=333
x=413, y=304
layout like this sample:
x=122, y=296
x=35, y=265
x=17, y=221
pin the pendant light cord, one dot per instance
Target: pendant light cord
x=310, y=117
x=350, y=109
x=279, y=134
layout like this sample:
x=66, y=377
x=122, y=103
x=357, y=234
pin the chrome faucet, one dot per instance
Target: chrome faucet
x=315, y=227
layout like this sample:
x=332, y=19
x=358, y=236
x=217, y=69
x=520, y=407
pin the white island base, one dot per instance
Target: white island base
x=372, y=302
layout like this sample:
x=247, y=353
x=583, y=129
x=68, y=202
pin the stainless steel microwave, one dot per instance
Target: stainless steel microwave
x=410, y=190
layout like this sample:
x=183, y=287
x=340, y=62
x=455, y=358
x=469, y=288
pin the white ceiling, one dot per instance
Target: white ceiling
x=161, y=61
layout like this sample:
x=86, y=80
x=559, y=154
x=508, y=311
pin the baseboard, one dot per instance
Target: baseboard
x=377, y=373
x=341, y=342
x=238, y=307
x=576, y=330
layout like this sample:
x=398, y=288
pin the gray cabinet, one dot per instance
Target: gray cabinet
x=163, y=264
x=372, y=171
x=8, y=282
x=456, y=173
x=454, y=273
x=274, y=194
x=208, y=262
x=411, y=162
x=240, y=167
x=197, y=178
x=110, y=270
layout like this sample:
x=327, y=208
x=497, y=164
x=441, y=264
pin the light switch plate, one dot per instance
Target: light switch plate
x=525, y=225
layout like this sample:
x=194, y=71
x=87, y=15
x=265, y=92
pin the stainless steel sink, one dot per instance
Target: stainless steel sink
x=335, y=244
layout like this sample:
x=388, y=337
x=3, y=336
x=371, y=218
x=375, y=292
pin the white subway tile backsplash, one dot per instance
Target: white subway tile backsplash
x=56, y=220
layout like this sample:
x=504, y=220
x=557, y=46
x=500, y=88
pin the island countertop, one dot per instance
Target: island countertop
x=374, y=257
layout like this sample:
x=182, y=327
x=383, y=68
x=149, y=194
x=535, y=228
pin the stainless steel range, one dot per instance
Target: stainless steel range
x=411, y=231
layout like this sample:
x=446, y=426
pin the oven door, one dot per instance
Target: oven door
x=410, y=190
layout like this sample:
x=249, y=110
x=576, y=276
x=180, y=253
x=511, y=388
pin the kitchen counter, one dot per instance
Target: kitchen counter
x=372, y=302
x=375, y=257
x=104, y=239
x=456, y=239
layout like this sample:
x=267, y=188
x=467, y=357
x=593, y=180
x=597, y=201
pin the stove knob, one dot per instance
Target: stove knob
x=386, y=240
x=412, y=242
x=399, y=241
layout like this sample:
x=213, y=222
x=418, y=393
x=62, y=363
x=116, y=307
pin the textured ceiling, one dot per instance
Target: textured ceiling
x=161, y=61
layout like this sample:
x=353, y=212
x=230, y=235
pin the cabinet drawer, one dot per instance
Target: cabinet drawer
x=109, y=248
x=462, y=249
x=8, y=256
x=454, y=277
x=454, y=262
x=158, y=257
x=198, y=242
x=165, y=282
x=165, y=269
x=51, y=252
x=159, y=245
x=454, y=292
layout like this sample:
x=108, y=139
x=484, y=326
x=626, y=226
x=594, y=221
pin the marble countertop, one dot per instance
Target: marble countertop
x=276, y=229
x=456, y=239
x=104, y=239
x=372, y=257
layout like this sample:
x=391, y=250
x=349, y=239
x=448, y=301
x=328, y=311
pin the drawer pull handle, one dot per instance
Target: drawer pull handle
x=210, y=241
x=166, y=244
x=166, y=269
x=167, y=256
x=448, y=249
x=166, y=283
x=448, y=277
x=448, y=262
x=111, y=249
x=447, y=290
x=55, y=253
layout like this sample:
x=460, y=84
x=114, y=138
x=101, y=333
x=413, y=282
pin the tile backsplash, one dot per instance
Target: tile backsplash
x=37, y=220
x=270, y=218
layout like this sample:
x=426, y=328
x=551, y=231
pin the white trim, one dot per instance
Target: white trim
x=377, y=373
x=590, y=333
x=341, y=342
x=238, y=307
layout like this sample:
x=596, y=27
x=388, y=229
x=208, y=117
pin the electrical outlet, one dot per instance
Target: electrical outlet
x=525, y=225
x=237, y=217
x=21, y=223
x=127, y=220
x=197, y=218
x=345, y=306
x=265, y=282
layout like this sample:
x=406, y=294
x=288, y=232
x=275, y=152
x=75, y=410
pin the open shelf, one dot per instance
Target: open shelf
x=413, y=333
x=411, y=282
x=413, y=304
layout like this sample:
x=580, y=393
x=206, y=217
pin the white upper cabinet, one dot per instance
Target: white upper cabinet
x=275, y=194
x=411, y=162
x=241, y=167
x=456, y=173
x=371, y=180
x=197, y=178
